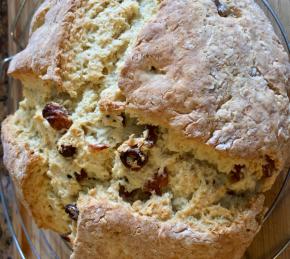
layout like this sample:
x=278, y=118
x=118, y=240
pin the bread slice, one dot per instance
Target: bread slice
x=150, y=129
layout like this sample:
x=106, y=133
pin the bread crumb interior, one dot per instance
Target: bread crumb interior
x=203, y=188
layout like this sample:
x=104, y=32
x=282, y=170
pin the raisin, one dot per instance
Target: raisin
x=133, y=158
x=269, y=167
x=72, y=211
x=236, y=174
x=157, y=183
x=67, y=150
x=152, y=135
x=57, y=116
x=223, y=9
x=81, y=176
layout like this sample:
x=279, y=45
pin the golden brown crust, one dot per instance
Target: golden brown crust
x=174, y=81
x=28, y=171
x=50, y=28
x=194, y=71
x=110, y=230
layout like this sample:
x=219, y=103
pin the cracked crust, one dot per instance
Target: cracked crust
x=171, y=80
x=28, y=171
x=100, y=235
x=191, y=71
x=53, y=22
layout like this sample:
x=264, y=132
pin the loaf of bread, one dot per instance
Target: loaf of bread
x=150, y=128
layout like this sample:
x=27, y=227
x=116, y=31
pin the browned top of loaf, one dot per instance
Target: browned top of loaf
x=220, y=80
x=49, y=34
x=143, y=237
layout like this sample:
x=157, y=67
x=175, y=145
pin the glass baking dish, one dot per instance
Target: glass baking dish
x=31, y=242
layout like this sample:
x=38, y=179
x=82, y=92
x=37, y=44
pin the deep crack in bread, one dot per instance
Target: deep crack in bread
x=150, y=129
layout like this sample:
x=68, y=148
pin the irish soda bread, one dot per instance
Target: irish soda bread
x=149, y=128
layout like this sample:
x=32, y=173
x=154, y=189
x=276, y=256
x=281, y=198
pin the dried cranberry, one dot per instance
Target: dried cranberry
x=57, y=116
x=157, y=183
x=81, y=176
x=152, y=135
x=236, y=174
x=133, y=158
x=269, y=167
x=72, y=211
x=67, y=150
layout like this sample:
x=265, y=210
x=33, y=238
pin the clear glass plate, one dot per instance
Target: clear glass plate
x=30, y=241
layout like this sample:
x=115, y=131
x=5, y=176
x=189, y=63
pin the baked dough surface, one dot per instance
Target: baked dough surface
x=149, y=129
